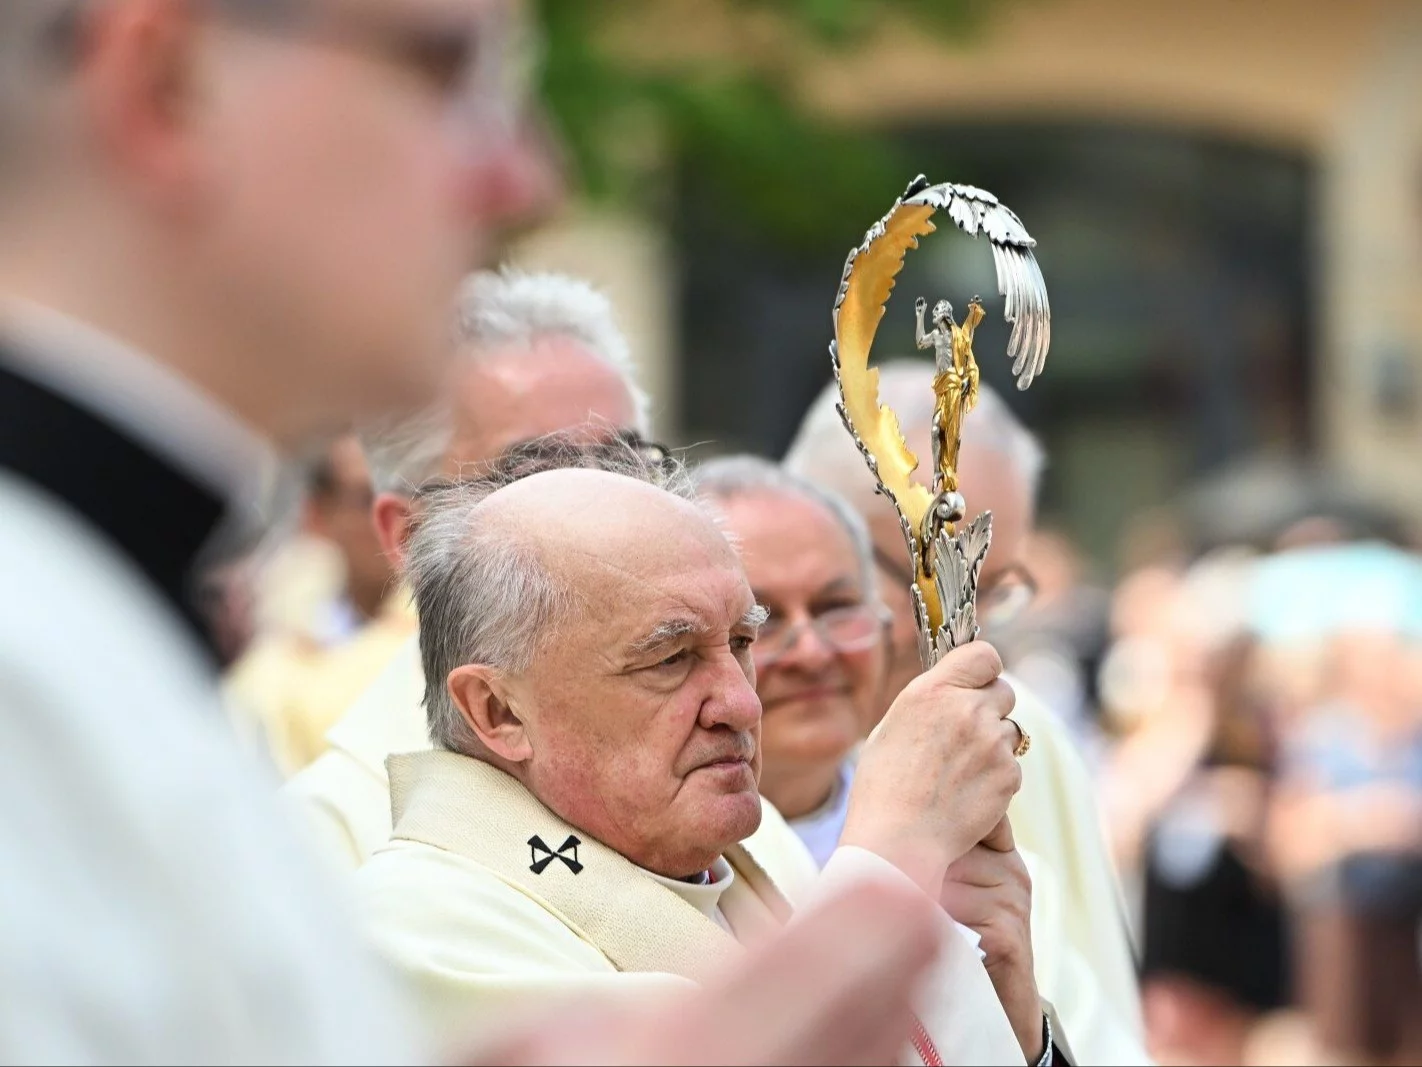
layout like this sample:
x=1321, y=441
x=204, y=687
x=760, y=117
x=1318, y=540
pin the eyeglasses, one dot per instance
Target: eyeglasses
x=1000, y=602
x=852, y=628
x=480, y=65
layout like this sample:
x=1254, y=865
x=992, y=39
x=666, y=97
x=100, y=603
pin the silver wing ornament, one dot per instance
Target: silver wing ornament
x=1019, y=279
x=946, y=562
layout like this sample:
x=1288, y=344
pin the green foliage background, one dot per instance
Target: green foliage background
x=787, y=172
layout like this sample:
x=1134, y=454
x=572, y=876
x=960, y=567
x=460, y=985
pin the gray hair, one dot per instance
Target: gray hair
x=824, y=452
x=730, y=477
x=485, y=595
x=508, y=308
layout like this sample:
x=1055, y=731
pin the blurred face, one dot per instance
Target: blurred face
x=342, y=516
x=512, y=396
x=819, y=659
x=517, y=395
x=989, y=483
x=642, y=717
x=363, y=153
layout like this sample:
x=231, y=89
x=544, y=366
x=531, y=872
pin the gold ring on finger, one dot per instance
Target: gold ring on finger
x=1024, y=739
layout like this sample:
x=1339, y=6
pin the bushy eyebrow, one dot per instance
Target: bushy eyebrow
x=664, y=633
x=755, y=617
x=670, y=630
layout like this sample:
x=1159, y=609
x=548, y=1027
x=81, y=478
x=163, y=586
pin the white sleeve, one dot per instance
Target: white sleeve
x=154, y=907
x=1091, y=1025
x=959, y=1007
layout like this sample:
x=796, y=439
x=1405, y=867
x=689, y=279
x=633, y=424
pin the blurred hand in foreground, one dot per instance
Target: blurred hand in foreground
x=836, y=987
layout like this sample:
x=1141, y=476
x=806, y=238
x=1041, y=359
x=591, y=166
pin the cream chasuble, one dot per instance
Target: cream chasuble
x=491, y=905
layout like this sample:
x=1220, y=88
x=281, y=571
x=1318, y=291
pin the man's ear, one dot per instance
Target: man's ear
x=393, y=516
x=140, y=85
x=482, y=696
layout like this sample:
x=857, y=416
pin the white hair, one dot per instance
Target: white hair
x=730, y=477
x=824, y=452
x=483, y=593
x=504, y=310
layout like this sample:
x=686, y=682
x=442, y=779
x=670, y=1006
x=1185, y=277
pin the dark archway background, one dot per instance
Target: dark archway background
x=1179, y=273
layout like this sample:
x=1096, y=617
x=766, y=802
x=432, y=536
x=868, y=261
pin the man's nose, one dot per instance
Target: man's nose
x=515, y=178
x=809, y=651
x=733, y=702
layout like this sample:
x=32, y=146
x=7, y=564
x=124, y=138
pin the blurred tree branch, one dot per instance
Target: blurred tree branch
x=733, y=116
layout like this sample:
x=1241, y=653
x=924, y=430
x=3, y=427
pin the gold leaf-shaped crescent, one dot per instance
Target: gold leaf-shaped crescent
x=865, y=286
x=864, y=290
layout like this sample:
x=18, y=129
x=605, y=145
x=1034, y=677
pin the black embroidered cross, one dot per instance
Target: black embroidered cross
x=543, y=855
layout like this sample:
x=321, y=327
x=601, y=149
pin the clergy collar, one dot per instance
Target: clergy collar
x=705, y=897
x=71, y=428
x=150, y=404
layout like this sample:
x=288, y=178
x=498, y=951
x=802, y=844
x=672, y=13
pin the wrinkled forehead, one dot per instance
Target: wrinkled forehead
x=666, y=574
x=629, y=567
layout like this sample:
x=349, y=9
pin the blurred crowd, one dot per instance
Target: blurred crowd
x=1254, y=717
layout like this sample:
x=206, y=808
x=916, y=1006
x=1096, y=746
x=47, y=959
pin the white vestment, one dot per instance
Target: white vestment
x=154, y=908
x=1081, y=956
x=490, y=905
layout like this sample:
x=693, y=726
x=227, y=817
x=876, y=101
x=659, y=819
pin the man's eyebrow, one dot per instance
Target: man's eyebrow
x=755, y=616
x=664, y=633
x=670, y=630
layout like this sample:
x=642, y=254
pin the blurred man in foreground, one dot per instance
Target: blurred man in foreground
x=1055, y=815
x=586, y=639
x=231, y=226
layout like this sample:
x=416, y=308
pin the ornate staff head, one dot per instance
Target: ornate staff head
x=946, y=561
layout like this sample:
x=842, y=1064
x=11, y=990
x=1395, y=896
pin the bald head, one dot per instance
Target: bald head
x=575, y=520
x=494, y=562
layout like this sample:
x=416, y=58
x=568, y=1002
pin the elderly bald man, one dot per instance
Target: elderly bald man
x=1055, y=815
x=586, y=642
